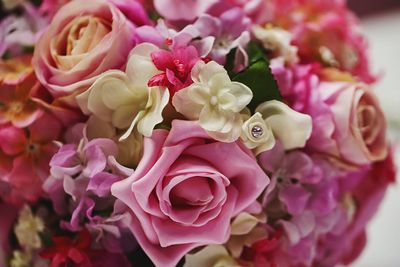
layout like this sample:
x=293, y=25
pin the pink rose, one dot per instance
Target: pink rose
x=186, y=189
x=84, y=39
x=351, y=126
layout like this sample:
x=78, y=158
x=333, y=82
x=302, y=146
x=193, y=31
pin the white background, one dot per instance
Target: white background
x=383, y=32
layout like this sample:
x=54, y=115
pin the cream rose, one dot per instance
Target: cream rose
x=84, y=39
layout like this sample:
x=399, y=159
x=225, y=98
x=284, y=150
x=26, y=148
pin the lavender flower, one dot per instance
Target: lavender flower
x=79, y=187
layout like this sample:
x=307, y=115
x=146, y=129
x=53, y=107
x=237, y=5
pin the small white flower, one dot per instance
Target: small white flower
x=214, y=100
x=124, y=99
x=28, y=228
x=277, y=40
x=292, y=128
x=257, y=134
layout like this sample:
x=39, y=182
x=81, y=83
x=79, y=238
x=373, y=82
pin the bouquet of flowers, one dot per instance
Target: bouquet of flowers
x=187, y=133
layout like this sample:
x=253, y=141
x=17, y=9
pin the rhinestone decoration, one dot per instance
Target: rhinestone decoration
x=257, y=131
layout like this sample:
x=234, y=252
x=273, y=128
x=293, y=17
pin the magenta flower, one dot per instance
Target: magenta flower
x=176, y=67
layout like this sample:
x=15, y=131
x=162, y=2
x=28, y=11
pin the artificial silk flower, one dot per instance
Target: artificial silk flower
x=84, y=39
x=357, y=132
x=214, y=100
x=257, y=134
x=182, y=195
x=292, y=128
x=125, y=99
x=278, y=41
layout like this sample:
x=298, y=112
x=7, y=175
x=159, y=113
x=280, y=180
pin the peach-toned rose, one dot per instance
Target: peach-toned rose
x=356, y=132
x=84, y=39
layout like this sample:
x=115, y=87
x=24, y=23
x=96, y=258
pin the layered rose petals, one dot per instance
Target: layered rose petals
x=182, y=195
x=83, y=40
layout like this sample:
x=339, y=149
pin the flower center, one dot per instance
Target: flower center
x=214, y=100
x=32, y=148
x=15, y=108
x=180, y=68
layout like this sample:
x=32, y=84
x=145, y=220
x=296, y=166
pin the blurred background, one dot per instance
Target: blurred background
x=380, y=22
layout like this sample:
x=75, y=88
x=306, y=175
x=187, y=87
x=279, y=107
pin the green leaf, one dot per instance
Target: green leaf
x=255, y=52
x=258, y=77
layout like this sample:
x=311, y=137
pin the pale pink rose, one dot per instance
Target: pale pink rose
x=356, y=133
x=84, y=39
x=186, y=189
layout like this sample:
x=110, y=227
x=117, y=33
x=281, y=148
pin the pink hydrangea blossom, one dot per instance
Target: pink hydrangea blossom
x=368, y=188
x=79, y=185
x=307, y=189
